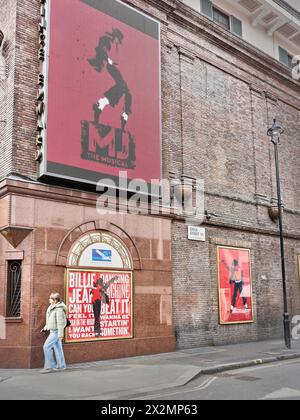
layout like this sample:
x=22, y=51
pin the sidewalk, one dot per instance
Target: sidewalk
x=131, y=377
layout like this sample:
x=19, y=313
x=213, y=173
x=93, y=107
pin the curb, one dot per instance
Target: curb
x=248, y=363
x=206, y=371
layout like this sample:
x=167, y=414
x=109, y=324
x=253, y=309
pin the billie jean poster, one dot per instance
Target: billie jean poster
x=99, y=305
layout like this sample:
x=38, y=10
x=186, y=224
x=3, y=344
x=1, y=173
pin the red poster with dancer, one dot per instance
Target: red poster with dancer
x=99, y=305
x=103, y=92
x=235, y=286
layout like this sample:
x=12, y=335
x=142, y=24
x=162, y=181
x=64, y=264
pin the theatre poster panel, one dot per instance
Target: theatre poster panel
x=99, y=305
x=103, y=115
x=235, y=286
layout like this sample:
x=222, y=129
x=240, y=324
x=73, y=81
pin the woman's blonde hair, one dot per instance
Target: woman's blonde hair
x=55, y=296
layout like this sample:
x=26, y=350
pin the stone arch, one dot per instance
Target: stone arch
x=84, y=253
x=102, y=226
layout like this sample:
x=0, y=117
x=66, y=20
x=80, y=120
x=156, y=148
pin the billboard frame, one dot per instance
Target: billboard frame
x=64, y=174
x=97, y=270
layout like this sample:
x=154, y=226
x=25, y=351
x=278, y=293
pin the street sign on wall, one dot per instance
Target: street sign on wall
x=196, y=233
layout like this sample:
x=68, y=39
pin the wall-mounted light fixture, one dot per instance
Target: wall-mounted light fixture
x=182, y=192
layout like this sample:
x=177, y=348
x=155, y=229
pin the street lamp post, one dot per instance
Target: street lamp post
x=275, y=132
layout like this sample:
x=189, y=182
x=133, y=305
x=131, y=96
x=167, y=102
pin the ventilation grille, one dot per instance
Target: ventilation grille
x=287, y=30
x=270, y=17
x=251, y=5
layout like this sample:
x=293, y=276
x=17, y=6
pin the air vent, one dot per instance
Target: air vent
x=250, y=5
x=270, y=17
x=287, y=30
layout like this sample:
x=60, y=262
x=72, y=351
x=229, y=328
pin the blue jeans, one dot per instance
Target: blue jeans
x=54, y=343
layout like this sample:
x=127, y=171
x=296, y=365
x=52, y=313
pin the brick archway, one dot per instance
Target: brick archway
x=92, y=226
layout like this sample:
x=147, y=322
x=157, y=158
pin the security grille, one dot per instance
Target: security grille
x=13, y=307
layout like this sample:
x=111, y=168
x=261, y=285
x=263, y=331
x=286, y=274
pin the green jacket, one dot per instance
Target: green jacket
x=56, y=318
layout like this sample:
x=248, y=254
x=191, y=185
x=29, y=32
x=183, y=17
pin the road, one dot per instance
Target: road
x=127, y=381
x=278, y=381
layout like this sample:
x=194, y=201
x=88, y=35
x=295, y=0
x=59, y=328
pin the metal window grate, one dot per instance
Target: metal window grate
x=13, y=307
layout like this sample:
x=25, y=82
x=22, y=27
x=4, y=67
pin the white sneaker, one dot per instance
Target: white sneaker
x=46, y=370
x=246, y=307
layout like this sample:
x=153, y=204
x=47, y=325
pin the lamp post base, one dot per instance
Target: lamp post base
x=287, y=330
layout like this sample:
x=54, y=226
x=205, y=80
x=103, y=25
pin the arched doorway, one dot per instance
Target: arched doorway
x=99, y=289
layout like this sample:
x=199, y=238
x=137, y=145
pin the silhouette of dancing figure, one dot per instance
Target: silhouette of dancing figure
x=113, y=96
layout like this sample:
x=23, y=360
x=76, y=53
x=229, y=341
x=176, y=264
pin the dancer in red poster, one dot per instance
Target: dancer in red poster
x=100, y=296
x=236, y=278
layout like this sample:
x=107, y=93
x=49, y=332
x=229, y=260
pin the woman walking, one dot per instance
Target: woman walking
x=56, y=320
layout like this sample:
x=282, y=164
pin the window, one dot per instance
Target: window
x=221, y=18
x=231, y=23
x=286, y=58
x=236, y=26
x=13, y=302
x=207, y=8
x=290, y=61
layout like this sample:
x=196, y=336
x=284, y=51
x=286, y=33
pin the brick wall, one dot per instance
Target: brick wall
x=218, y=113
x=196, y=292
x=7, y=73
x=19, y=23
x=26, y=76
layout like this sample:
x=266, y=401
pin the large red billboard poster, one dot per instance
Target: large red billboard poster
x=99, y=305
x=103, y=96
x=235, y=286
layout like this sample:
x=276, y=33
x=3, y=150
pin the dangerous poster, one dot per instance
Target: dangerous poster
x=235, y=286
x=99, y=305
x=103, y=92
